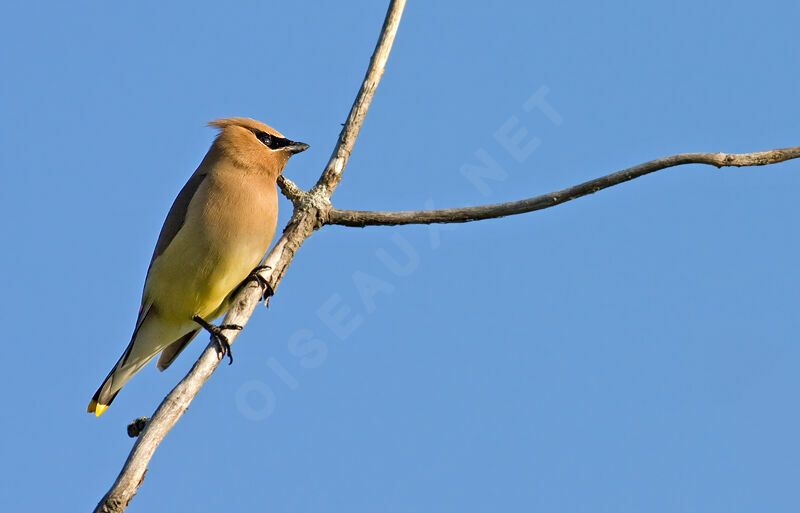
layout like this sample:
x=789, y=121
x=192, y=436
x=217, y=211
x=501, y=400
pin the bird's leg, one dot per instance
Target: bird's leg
x=219, y=338
x=265, y=286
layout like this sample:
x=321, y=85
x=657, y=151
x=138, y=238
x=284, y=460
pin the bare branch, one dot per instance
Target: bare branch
x=312, y=210
x=347, y=138
x=306, y=218
x=361, y=218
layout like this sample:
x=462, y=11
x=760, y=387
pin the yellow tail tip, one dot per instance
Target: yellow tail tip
x=97, y=409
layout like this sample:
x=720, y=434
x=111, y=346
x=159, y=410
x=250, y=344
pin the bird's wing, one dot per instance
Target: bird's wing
x=177, y=215
x=172, y=351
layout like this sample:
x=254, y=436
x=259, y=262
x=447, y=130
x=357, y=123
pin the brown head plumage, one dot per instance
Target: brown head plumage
x=251, y=144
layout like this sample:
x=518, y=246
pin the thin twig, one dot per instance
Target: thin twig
x=304, y=221
x=289, y=189
x=313, y=210
x=347, y=138
x=361, y=218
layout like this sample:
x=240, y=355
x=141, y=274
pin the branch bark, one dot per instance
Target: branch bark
x=360, y=218
x=313, y=210
x=305, y=219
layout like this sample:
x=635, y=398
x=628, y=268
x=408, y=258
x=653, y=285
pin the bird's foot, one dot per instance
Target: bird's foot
x=224, y=347
x=265, y=286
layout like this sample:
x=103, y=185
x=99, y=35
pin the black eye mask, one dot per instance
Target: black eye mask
x=271, y=141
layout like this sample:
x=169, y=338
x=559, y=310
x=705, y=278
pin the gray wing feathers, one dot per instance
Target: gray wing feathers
x=172, y=351
x=177, y=214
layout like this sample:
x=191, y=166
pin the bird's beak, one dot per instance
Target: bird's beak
x=295, y=147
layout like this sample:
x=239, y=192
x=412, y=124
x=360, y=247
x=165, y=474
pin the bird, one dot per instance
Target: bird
x=215, y=235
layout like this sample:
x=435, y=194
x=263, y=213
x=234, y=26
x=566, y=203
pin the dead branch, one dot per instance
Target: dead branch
x=361, y=218
x=313, y=210
x=305, y=219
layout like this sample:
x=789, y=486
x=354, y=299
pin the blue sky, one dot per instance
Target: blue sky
x=631, y=351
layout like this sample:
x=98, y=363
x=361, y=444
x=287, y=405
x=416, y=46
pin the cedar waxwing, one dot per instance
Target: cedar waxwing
x=218, y=230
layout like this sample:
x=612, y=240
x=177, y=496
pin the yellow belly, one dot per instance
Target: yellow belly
x=188, y=280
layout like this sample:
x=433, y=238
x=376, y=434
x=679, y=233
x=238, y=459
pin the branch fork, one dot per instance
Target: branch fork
x=313, y=209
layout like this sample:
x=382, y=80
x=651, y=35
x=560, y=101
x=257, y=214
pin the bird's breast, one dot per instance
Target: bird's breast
x=229, y=226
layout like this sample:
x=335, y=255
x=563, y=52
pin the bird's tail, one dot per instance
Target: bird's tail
x=123, y=371
x=141, y=349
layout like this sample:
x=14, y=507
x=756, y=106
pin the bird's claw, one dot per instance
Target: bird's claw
x=223, y=345
x=268, y=291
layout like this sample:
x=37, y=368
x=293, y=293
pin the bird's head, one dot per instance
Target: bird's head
x=252, y=144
